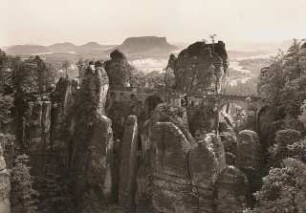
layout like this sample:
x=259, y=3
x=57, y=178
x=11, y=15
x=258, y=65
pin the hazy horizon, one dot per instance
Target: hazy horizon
x=44, y=22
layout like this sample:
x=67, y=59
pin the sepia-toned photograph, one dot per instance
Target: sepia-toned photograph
x=152, y=106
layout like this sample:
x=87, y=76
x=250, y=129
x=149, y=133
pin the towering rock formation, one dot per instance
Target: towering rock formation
x=199, y=67
x=63, y=98
x=128, y=164
x=118, y=70
x=98, y=172
x=92, y=147
x=33, y=105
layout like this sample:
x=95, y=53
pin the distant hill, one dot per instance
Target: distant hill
x=26, y=49
x=62, y=47
x=91, y=48
x=146, y=46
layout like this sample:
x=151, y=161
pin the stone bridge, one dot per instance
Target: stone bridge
x=245, y=102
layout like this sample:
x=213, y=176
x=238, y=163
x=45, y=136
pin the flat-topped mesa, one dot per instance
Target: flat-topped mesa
x=118, y=70
x=134, y=45
x=199, y=67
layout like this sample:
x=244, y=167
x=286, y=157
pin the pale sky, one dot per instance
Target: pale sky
x=111, y=21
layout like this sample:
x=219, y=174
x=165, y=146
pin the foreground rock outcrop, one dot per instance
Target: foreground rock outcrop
x=172, y=188
x=203, y=176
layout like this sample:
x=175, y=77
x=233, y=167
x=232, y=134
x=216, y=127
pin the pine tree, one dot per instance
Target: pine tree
x=23, y=196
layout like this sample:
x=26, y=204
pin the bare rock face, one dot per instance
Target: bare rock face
x=229, y=141
x=232, y=188
x=201, y=118
x=162, y=113
x=170, y=77
x=203, y=170
x=38, y=124
x=96, y=82
x=92, y=167
x=118, y=70
x=144, y=190
x=104, y=85
x=248, y=149
x=172, y=188
x=177, y=115
x=165, y=113
x=128, y=164
x=230, y=159
x=215, y=145
x=99, y=180
x=198, y=65
x=62, y=100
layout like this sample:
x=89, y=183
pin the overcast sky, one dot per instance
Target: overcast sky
x=110, y=21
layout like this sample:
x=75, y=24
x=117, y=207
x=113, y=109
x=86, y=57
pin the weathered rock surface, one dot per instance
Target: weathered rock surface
x=177, y=115
x=248, y=150
x=99, y=179
x=215, y=145
x=172, y=188
x=230, y=159
x=62, y=99
x=203, y=170
x=144, y=191
x=118, y=70
x=198, y=65
x=128, y=164
x=229, y=141
x=92, y=167
x=232, y=188
x=92, y=145
x=104, y=85
x=201, y=118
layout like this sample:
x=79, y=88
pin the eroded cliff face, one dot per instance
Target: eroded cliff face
x=198, y=67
